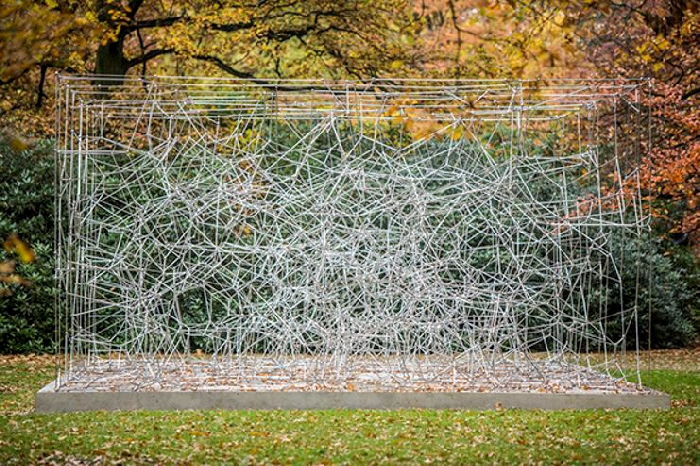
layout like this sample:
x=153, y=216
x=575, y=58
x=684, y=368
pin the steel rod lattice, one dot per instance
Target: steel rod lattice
x=306, y=235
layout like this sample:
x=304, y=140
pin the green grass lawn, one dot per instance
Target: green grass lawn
x=351, y=437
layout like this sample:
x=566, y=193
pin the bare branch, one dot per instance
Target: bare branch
x=233, y=27
x=40, y=88
x=152, y=23
x=134, y=6
x=219, y=63
x=688, y=94
x=14, y=78
x=151, y=54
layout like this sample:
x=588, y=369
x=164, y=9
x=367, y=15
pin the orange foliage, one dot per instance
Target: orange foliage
x=383, y=38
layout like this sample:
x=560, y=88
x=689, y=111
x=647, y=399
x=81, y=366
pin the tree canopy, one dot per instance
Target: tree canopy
x=364, y=39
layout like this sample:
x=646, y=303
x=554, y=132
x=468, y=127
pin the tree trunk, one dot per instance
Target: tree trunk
x=40, y=90
x=110, y=60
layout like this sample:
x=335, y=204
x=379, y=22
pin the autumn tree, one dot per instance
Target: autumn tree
x=247, y=39
x=657, y=39
x=35, y=38
x=591, y=39
x=494, y=39
x=263, y=39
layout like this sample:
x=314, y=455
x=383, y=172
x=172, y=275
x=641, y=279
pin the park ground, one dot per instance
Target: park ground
x=354, y=437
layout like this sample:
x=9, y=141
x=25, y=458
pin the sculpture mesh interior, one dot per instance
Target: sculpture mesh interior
x=392, y=235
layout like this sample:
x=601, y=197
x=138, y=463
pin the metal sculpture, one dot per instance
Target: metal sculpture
x=391, y=235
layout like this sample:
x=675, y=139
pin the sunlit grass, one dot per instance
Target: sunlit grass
x=346, y=436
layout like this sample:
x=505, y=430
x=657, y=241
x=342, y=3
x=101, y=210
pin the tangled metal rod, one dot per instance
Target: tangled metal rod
x=390, y=235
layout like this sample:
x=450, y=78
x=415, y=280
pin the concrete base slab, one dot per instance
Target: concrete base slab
x=49, y=400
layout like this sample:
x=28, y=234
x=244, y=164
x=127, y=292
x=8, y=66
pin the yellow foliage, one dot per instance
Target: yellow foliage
x=25, y=253
x=244, y=230
x=457, y=133
x=14, y=279
x=8, y=267
x=17, y=143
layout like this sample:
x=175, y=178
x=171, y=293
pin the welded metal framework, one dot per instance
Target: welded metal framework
x=307, y=235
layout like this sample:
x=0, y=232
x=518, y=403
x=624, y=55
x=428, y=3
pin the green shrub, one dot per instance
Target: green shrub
x=684, y=266
x=667, y=293
x=26, y=208
x=668, y=275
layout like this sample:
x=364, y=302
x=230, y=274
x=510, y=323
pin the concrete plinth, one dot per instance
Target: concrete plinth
x=49, y=400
